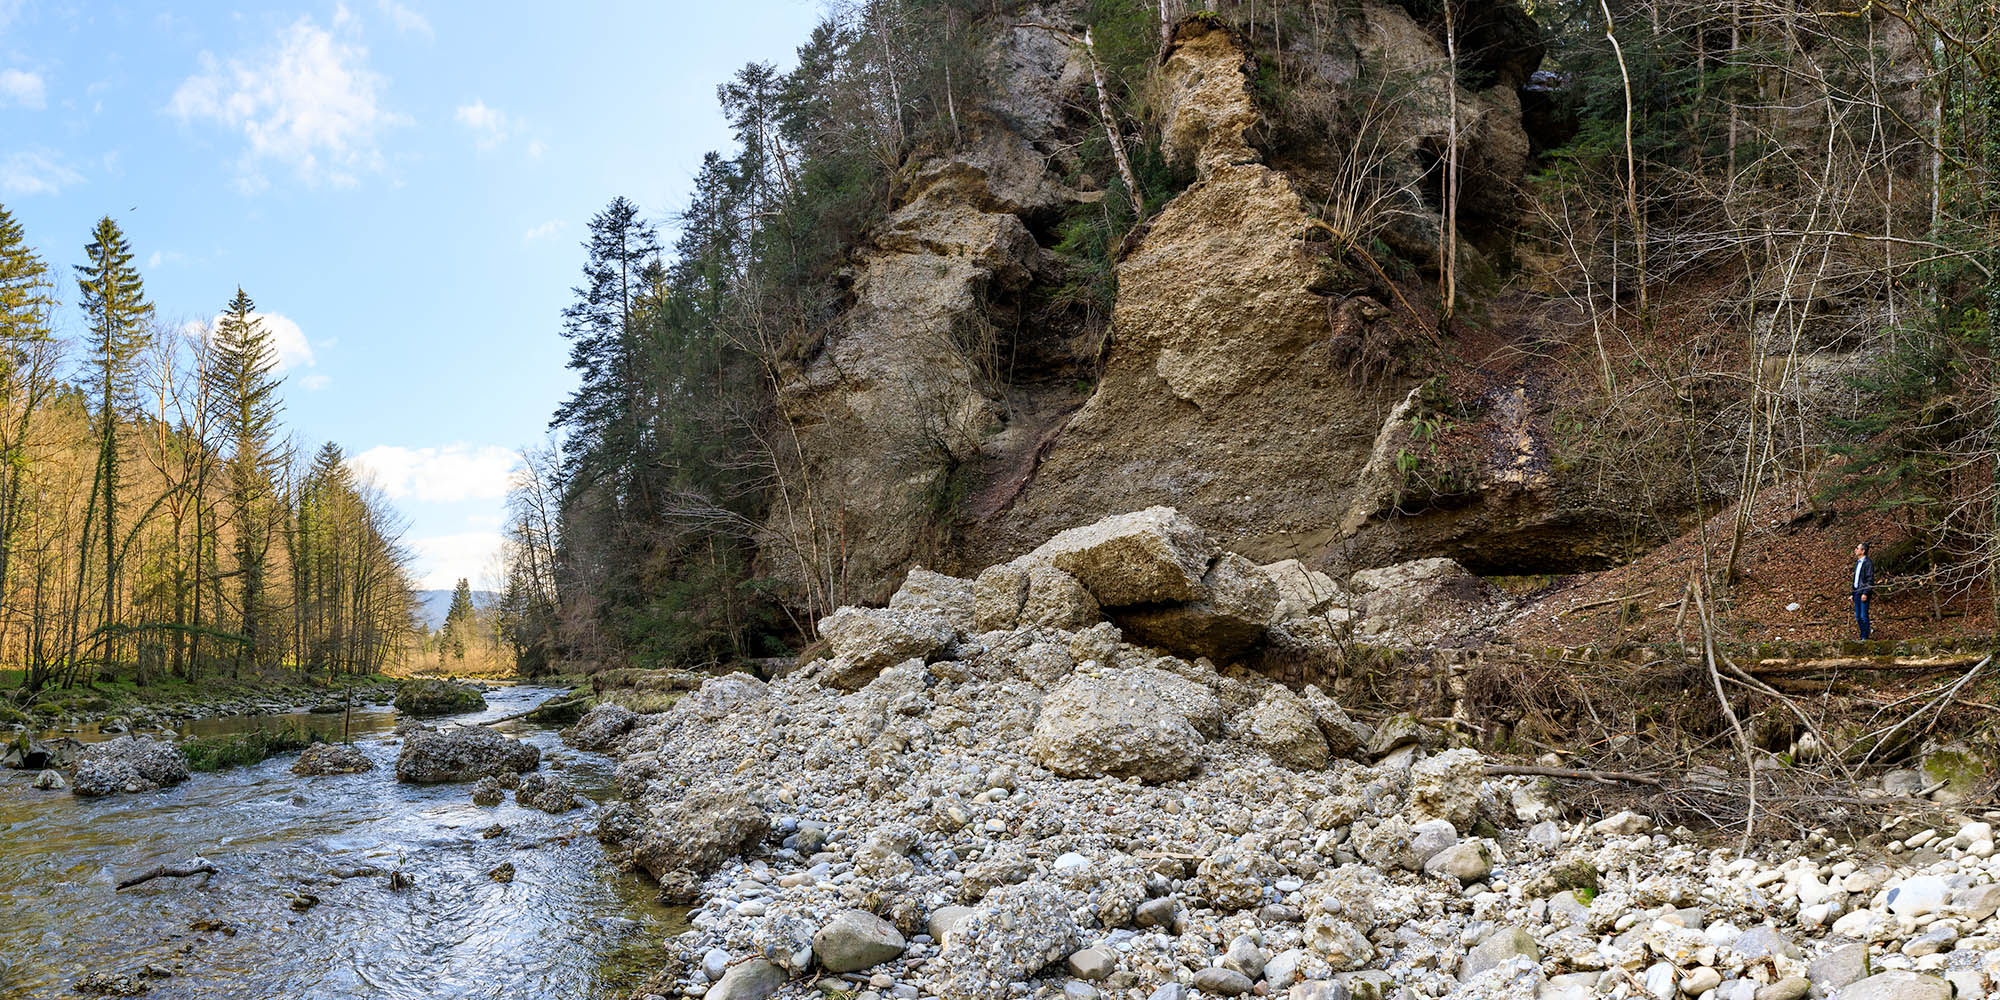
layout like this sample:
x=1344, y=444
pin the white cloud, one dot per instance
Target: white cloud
x=314, y=383
x=23, y=89
x=309, y=102
x=542, y=232
x=445, y=475
x=536, y=148
x=489, y=125
x=35, y=171
x=445, y=559
x=407, y=21
x=294, y=350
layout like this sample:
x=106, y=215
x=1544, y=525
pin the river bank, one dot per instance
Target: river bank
x=987, y=790
x=337, y=886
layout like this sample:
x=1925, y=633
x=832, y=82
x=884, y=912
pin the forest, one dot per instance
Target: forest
x=156, y=520
x=1718, y=197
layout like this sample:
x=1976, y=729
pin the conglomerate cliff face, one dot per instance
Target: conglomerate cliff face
x=942, y=425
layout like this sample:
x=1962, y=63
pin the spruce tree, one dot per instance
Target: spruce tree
x=458, y=621
x=116, y=312
x=246, y=379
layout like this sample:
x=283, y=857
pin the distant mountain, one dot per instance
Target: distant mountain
x=434, y=604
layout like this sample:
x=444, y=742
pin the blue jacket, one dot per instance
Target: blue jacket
x=1863, y=576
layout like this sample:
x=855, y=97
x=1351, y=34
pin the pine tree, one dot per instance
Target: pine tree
x=604, y=414
x=246, y=363
x=114, y=304
x=458, y=621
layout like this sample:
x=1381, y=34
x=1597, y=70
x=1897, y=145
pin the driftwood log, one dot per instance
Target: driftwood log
x=1628, y=777
x=165, y=871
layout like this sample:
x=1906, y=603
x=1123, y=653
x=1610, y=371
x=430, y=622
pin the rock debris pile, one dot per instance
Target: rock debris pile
x=987, y=790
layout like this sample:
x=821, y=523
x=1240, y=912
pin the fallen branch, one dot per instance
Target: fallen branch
x=163, y=871
x=1778, y=666
x=1605, y=777
x=544, y=705
x=1612, y=600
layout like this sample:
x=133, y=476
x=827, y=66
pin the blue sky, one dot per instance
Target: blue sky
x=401, y=185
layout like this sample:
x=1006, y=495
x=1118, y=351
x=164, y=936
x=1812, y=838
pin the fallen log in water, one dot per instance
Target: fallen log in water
x=164, y=871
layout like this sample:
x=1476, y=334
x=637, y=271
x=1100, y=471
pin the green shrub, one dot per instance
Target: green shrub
x=213, y=753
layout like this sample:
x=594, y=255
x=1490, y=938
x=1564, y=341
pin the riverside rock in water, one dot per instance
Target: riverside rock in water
x=332, y=758
x=426, y=696
x=461, y=753
x=128, y=764
x=546, y=792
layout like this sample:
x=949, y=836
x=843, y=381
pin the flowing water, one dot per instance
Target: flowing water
x=567, y=926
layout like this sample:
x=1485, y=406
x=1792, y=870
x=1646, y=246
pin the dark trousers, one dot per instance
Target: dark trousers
x=1861, y=613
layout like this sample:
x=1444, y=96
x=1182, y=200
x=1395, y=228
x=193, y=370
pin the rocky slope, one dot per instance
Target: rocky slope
x=944, y=421
x=988, y=789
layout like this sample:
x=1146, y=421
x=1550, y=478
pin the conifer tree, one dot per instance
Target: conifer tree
x=458, y=621
x=246, y=364
x=116, y=311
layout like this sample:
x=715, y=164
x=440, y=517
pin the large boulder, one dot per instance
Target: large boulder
x=924, y=590
x=1302, y=592
x=854, y=940
x=128, y=764
x=685, y=841
x=1113, y=723
x=866, y=640
x=460, y=753
x=1014, y=933
x=428, y=696
x=1235, y=602
x=1151, y=556
x=1446, y=787
x=601, y=727
x=1283, y=725
x=332, y=758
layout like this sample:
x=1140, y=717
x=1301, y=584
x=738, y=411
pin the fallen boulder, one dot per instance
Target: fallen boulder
x=601, y=727
x=1114, y=724
x=460, y=753
x=1235, y=602
x=867, y=640
x=1151, y=556
x=683, y=842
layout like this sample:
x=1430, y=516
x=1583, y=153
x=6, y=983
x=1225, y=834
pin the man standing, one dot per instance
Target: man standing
x=1864, y=585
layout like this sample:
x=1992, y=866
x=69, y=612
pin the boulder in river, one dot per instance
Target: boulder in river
x=548, y=793
x=332, y=758
x=461, y=753
x=128, y=764
x=428, y=696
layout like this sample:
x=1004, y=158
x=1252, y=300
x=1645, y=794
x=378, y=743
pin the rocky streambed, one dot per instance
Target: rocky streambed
x=989, y=790
x=341, y=882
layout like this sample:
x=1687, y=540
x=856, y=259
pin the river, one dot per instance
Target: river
x=567, y=926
